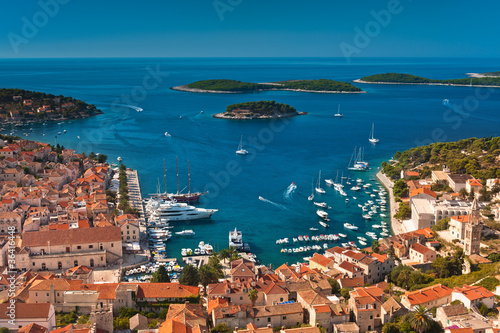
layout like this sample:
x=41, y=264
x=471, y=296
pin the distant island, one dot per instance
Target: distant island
x=237, y=87
x=18, y=105
x=397, y=78
x=258, y=110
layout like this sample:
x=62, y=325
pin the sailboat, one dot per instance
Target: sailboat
x=311, y=197
x=318, y=185
x=338, y=114
x=372, y=139
x=240, y=150
x=182, y=197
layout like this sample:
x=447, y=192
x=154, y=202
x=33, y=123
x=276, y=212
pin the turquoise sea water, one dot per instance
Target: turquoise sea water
x=280, y=153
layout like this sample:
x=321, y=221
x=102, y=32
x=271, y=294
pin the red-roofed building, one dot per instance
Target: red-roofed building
x=473, y=185
x=473, y=295
x=429, y=297
x=423, y=193
x=319, y=261
x=421, y=254
x=409, y=174
x=42, y=314
x=366, y=305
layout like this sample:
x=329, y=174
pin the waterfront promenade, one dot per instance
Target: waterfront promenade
x=396, y=225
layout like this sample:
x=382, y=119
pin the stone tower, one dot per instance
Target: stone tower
x=101, y=317
x=473, y=230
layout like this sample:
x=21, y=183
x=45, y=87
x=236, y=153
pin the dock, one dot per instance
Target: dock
x=134, y=192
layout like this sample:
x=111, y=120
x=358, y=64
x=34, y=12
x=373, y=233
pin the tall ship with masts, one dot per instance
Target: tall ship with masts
x=178, y=196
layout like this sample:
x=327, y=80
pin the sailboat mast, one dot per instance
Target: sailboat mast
x=177, y=167
x=189, y=179
x=165, y=176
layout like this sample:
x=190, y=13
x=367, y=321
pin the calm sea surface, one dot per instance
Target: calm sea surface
x=280, y=152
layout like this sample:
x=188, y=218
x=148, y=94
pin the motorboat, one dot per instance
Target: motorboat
x=188, y=232
x=343, y=235
x=313, y=229
x=350, y=226
x=322, y=214
x=320, y=204
x=323, y=224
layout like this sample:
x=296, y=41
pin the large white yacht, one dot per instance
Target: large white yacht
x=170, y=211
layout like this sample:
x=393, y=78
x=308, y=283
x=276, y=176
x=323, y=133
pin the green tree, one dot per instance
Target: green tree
x=102, y=158
x=209, y=274
x=390, y=328
x=190, y=276
x=335, y=285
x=221, y=328
x=400, y=189
x=404, y=211
x=375, y=246
x=420, y=319
x=345, y=293
x=253, y=295
x=163, y=314
x=4, y=330
x=463, y=193
x=161, y=275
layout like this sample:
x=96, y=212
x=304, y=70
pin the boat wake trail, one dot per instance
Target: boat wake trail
x=290, y=190
x=273, y=203
x=133, y=107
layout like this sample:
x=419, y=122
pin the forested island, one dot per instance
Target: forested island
x=233, y=86
x=476, y=157
x=397, y=78
x=258, y=110
x=18, y=105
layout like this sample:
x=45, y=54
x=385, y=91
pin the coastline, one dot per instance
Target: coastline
x=428, y=84
x=396, y=225
x=222, y=116
x=31, y=121
x=185, y=88
x=480, y=75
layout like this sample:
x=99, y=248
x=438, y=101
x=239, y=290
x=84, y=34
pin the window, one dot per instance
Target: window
x=127, y=227
x=102, y=258
x=36, y=294
x=91, y=262
x=75, y=263
x=33, y=264
x=284, y=317
x=281, y=299
x=43, y=266
x=269, y=319
x=241, y=298
x=57, y=294
x=112, y=244
x=47, y=294
x=371, y=317
x=91, y=246
x=78, y=247
x=128, y=232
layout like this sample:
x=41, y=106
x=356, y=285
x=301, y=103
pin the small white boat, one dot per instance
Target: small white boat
x=362, y=242
x=320, y=204
x=185, y=232
x=240, y=150
x=322, y=214
x=313, y=229
x=361, y=238
x=346, y=200
x=323, y=224
x=350, y=226
x=119, y=159
x=343, y=235
x=383, y=215
x=167, y=134
x=372, y=139
x=338, y=114
x=367, y=217
x=385, y=234
x=318, y=185
x=377, y=226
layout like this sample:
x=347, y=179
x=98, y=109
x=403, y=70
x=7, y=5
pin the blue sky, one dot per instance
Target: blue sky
x=254, y=28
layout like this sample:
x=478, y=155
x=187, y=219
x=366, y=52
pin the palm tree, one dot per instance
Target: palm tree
x=420, y=319
x=253, y=294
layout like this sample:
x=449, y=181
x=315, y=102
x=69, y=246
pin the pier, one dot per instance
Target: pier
x=134, y=192
x=397, y=225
